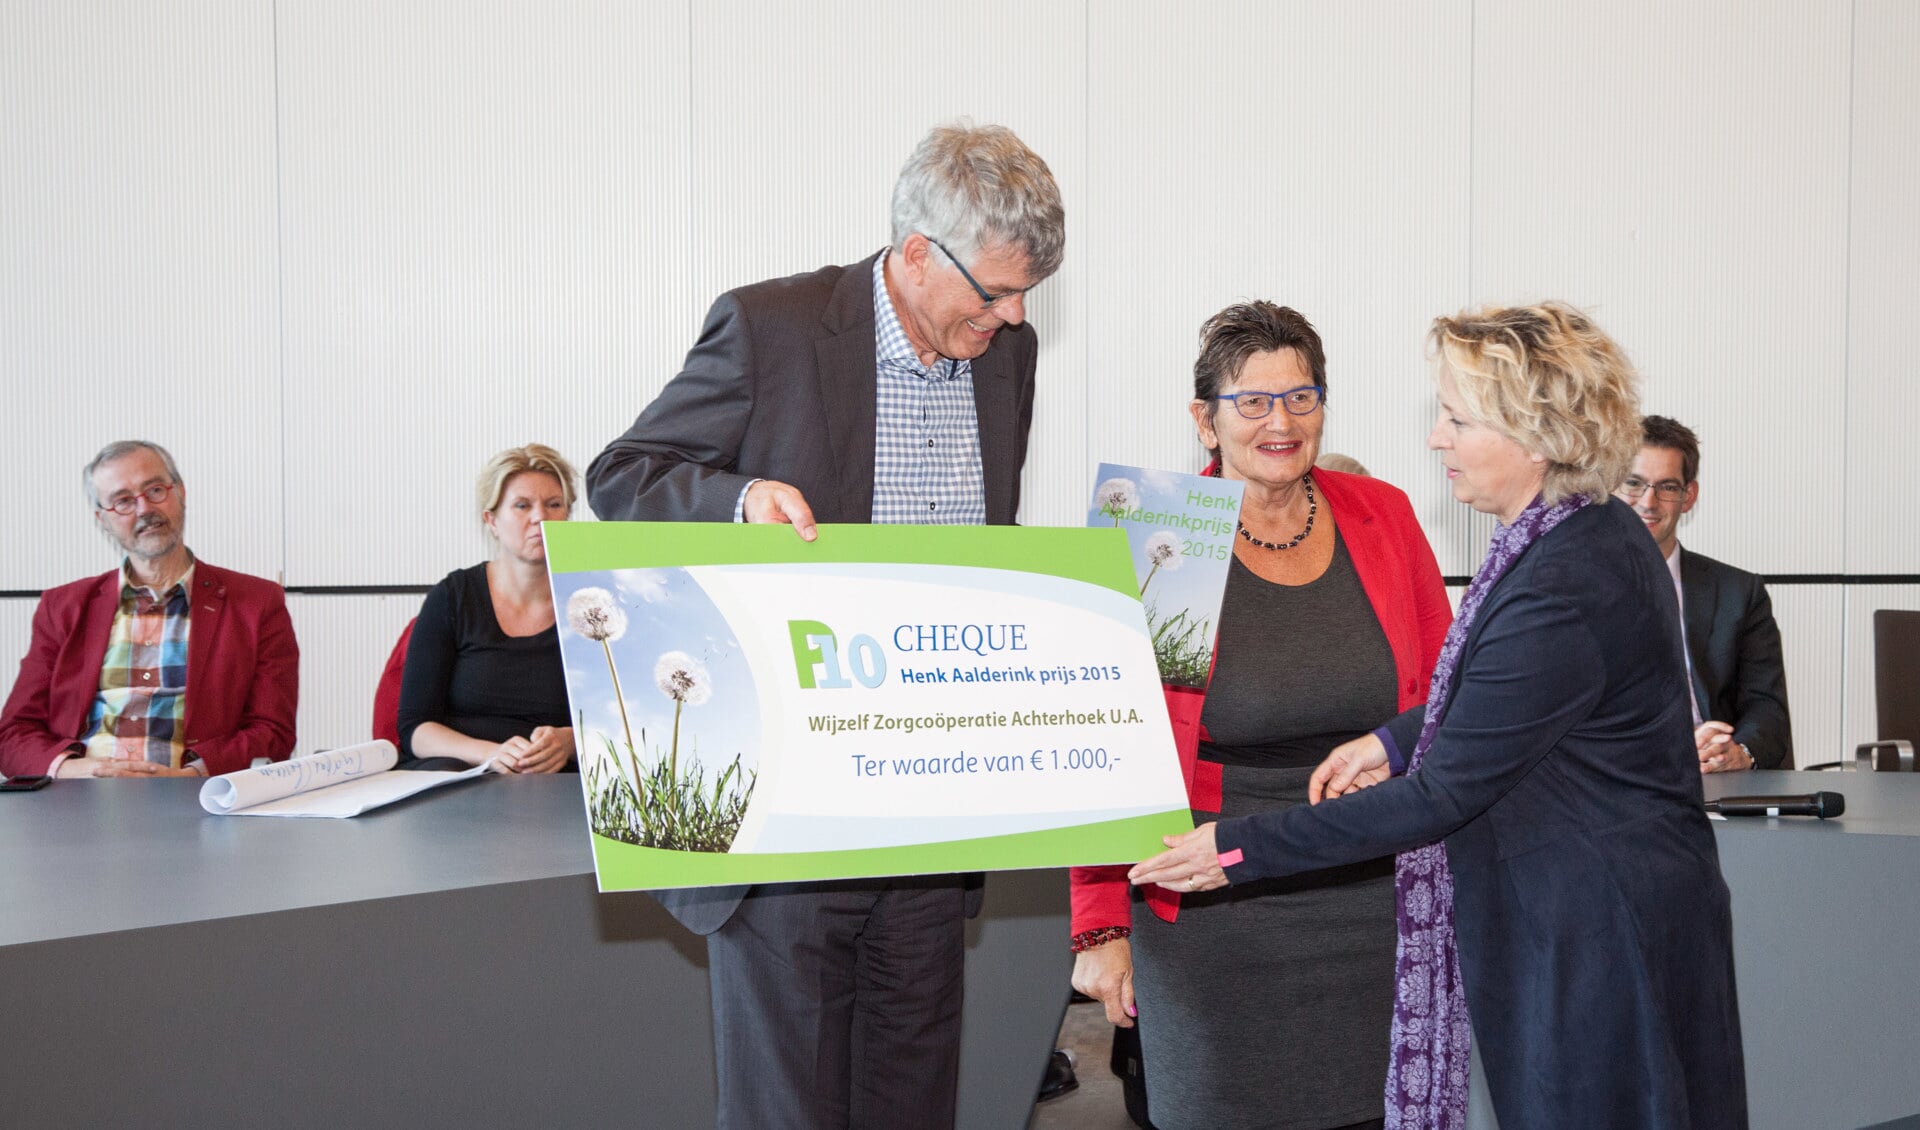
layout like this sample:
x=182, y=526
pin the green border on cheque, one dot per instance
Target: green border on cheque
x=623, y=866
x=1071, y=553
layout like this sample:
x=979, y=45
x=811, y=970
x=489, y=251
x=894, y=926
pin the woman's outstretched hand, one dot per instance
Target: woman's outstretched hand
x=1190, y=864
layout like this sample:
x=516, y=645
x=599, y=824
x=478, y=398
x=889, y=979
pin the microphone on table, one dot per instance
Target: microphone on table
x=1822, y=804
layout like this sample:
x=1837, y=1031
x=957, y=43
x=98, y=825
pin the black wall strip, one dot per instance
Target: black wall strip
x=1844, y=579
x=358, y=590
x=1452, y=582
x=1780, y=579
x=297, y=590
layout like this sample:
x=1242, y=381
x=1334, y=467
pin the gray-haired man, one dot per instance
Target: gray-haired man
x=165, y=667
x=897, y=389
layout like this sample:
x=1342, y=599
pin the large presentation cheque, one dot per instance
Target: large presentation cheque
x=887, y=700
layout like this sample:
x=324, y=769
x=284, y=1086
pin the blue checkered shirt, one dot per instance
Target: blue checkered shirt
x=926, y=434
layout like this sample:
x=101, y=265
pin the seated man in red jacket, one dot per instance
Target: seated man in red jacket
x=165, y=667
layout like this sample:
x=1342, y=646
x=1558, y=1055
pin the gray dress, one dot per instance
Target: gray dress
x=1269, y=1004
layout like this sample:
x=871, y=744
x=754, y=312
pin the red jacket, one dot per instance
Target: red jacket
x=243, y=672
x=1402, y=581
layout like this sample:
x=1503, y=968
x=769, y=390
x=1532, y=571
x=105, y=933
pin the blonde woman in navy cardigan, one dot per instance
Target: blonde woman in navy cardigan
x=1334, y=612
x=1558, y=878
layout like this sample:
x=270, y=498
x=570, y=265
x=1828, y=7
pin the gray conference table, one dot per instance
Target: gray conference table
x=447, y=962
x=442, y=962
x=1825, y=917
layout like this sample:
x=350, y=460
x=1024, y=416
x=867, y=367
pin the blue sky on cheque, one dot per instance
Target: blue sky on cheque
x=1195, y=582
x=666, y=611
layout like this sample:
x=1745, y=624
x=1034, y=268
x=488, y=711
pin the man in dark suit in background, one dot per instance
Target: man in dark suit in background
x=1739, y=681
x=898, y=389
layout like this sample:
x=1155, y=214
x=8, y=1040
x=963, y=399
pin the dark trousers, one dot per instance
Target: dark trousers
x=836, y=1006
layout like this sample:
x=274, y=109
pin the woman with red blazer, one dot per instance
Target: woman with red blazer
x=1333, y=616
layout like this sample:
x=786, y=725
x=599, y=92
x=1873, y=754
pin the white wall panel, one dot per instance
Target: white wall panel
x=803, y=115
x=344, y=644
x=445, y=227
x=1681, y=171
x=1862, y=720
x=1883, y=380
x=487, y=215
x=1813, y=637
x=16, y=632
x=138, y=270
x=1311, y=154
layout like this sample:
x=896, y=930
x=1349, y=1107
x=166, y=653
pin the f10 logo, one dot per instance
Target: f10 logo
x=817, y=658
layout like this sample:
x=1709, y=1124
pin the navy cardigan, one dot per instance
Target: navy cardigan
x=1594, y=931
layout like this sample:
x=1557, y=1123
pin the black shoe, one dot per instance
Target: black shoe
x=1058, y=1079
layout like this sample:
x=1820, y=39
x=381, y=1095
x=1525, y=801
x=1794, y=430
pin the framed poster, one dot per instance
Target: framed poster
x=1179, y=531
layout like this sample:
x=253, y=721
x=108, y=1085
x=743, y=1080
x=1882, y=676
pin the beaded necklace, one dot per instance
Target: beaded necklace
x=1313, y=508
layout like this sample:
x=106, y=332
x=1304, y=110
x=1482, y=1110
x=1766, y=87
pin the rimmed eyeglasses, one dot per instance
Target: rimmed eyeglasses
x=1666, y=490
x=1259, y=405
x=987, y=298
x=126, y=504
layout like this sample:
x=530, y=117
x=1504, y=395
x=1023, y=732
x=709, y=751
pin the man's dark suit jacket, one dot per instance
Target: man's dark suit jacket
x=1739, y=676
x=781, y=386
x=1595, y=932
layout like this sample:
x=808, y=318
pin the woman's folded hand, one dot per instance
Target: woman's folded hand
x=1352, y=765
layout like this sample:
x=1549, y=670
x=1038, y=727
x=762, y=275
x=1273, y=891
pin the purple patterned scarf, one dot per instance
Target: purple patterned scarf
x=1427, y=1074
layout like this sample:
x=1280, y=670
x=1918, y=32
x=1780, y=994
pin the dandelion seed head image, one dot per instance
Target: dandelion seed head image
x=655, y=776
x=1163, y=550
x=683, y=678
x=593, y=614
x=1116, y=496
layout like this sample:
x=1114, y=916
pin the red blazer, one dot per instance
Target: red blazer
x=243, y=672
x=1402, y=581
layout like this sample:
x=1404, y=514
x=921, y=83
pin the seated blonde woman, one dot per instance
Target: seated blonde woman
x=483, y=677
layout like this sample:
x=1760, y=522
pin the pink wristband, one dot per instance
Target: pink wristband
x=1229, y=858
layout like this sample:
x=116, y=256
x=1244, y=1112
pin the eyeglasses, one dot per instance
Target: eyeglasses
x=987, y=299
x=126, y=504
x=1259, y=405
x=1666, y=490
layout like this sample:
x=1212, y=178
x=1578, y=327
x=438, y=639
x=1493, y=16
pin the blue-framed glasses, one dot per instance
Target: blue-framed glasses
x=1259, y=405
x=987, y=299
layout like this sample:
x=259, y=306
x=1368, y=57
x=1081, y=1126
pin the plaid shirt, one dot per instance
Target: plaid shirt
x=926, y=435
x=141, y=710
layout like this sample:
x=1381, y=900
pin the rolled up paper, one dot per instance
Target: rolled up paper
x=222, y=795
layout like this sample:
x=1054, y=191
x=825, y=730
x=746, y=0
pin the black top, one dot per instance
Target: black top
x=467, y=674
x=1300, y=668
